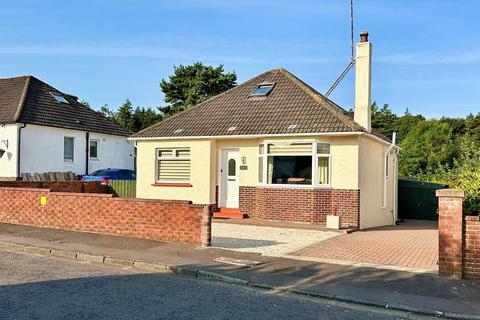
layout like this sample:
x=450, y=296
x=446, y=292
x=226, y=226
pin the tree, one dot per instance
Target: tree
x=143, y=118
x=404, y=124
x=124, y=115
x=106, y=112
x=427, y=147
x=472, y=124
x=192, y=84
x=383, y=119
x=130, y=119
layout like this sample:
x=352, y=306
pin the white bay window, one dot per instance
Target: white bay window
x=298, y=163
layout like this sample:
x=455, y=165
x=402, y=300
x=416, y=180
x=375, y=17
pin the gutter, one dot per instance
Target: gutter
x=257, y=136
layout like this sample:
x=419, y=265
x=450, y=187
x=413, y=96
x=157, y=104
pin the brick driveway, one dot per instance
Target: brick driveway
x=412, y=244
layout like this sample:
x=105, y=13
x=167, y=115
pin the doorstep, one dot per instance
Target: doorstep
x=229, y=213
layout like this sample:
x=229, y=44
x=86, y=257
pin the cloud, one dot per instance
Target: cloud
x=186, y=49
x=425, y=58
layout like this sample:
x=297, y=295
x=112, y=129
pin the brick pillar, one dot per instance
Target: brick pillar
x=206, y=225
x=450, y=224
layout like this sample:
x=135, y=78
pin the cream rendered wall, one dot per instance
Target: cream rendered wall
x=8, y=163
x=202, y=173
x=248, y=149
x=372, y=213
x=344, y=154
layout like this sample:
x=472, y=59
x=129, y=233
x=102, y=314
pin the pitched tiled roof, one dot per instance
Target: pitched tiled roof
x=29, y=100
x=291, y=103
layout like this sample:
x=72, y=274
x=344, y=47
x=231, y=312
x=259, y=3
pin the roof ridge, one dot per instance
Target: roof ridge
x=319, y=98
x=16, y=77
x=204, y=102
x=23, y=98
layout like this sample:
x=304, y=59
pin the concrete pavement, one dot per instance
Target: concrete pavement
x=49, y=288
x=420, y=293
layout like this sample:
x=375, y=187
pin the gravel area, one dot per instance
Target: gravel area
x=268, y=241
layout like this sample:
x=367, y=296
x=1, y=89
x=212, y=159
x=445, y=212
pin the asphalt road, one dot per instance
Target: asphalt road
x=34, y=287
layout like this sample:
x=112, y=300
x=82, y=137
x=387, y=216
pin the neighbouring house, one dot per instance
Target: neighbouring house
x=274, y=148
x=45, y=130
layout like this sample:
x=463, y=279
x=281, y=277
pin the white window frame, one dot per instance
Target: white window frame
x=173, y=157
x=73, y=151
x=89, y=144
x=314, y=156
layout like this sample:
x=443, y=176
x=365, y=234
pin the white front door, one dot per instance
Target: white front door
x=229, y=178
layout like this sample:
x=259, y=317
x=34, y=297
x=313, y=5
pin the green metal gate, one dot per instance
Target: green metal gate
x=417, y=199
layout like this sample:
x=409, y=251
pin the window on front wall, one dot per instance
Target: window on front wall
x=94, y=149
x=294, y=164
x=68, y=148
x=173, y=165
x=323, y=163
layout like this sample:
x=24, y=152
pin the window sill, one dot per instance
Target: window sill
x=170, y=184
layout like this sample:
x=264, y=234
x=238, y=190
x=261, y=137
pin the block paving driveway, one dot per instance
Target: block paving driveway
x=412, y=244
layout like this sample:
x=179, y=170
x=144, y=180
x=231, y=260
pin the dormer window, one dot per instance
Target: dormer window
x=59, y=97
x=262, y=90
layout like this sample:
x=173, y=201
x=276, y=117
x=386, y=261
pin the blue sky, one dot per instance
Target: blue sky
x=426, y=52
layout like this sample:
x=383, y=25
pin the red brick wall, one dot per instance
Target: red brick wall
x=471, y=257
x=176, y=221
x=59, y=186
x=301, y=205
x=458, y=237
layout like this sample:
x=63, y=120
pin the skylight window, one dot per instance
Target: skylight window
x=291, y=126
x=178, y=131
x=59, y=98
x=231, y=128
x=263, y=89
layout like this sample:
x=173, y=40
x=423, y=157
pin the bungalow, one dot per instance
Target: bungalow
x=45, y=130
x=274, y=148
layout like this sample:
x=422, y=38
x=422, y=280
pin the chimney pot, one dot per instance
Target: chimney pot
x=364, y=36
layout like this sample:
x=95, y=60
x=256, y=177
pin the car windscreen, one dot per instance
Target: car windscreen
x=100, y=173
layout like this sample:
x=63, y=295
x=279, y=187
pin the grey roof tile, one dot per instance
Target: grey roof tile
x=41, y=108
x=290, y=102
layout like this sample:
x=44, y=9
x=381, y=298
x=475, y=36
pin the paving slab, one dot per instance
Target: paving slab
x=410, y=245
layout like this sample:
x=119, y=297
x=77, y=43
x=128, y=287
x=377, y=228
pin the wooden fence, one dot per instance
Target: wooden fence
x=123, y=188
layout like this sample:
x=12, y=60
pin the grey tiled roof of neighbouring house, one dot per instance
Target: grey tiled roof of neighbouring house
x=291, y=107
x=29, y=100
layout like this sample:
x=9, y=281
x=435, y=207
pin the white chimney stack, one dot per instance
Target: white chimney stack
x=363, y=82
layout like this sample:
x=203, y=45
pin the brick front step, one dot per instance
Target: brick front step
x=229, y=213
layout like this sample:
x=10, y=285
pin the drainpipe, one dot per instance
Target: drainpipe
x=395, y=187
x=87, y=151
x=392, y=145
x=19, y=139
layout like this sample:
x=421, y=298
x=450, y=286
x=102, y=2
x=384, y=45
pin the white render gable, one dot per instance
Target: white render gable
x=42, y=150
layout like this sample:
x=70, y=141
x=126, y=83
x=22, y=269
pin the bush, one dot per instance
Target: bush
x=465, y=175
